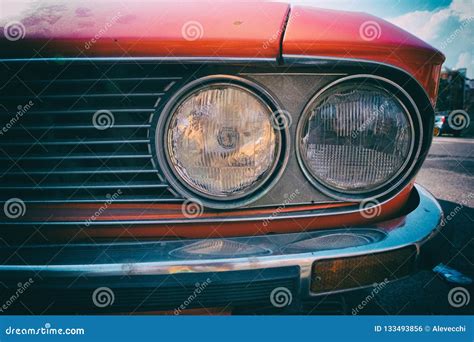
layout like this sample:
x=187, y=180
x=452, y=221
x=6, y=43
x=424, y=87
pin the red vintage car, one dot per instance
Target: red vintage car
x=171, y=157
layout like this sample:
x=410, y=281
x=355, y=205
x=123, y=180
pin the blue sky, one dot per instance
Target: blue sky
x=446, y=24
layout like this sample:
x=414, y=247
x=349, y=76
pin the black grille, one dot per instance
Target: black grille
x=53, y=150
x=74, y=295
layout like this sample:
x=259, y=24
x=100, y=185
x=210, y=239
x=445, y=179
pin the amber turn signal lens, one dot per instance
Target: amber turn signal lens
x=359, y=271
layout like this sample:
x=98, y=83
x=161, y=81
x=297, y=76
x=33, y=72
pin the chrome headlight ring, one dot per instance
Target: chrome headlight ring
x=178, y=180
x=396, y=180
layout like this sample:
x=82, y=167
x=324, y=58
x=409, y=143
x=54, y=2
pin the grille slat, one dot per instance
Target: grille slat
x=76, y=142
x=81, y=186
x=70, y=157
x=80, y=171
x=72, y=134
x=52, y=150
x=75, y=96
x=90, y=87
x=57, y=127
x=73, y=112
x=65, y=85
x=121, y=199
x=81, y=102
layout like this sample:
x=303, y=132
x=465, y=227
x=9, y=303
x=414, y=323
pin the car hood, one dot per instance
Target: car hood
x=211, y=29
x=142, y=28
x=323, y=33
x=204, y=28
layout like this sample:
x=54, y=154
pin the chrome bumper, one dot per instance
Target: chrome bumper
x=154, y=258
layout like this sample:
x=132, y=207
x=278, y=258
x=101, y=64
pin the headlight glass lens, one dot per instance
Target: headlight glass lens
x=221, y=141
x=355, y=138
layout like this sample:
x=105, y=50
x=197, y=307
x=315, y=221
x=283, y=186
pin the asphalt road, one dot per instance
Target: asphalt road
x=448, y=173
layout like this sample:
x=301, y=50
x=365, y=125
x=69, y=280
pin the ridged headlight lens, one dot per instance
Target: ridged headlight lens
x=355, y=138
x=221, y=141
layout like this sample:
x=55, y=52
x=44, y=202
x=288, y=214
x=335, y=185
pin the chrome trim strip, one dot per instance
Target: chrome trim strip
x=418, y=226
x=152, y=59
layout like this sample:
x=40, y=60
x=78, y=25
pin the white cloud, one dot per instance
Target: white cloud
x=463, y=8
x=465, y=60
x=424, y=24
x=449, y=29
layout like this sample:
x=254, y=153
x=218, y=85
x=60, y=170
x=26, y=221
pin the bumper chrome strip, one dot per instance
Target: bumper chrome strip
x=415, y=229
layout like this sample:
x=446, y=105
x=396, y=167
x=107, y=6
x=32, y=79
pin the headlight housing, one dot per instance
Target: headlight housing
x=356, y=138
x=222, y=142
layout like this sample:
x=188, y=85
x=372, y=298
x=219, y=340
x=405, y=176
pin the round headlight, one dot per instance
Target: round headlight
x=354, y=138
x=221, y=141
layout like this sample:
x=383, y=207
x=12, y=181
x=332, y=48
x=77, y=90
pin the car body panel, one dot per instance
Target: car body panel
x=208, y=29
x=144, y=28
x=169, y=221
x=338, y=34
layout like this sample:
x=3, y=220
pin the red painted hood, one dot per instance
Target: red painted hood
x=352, y=35
x=146, y=28
x=213, y=29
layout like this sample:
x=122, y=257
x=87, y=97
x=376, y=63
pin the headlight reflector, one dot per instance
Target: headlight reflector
x=221, y=141
x=355, y=137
